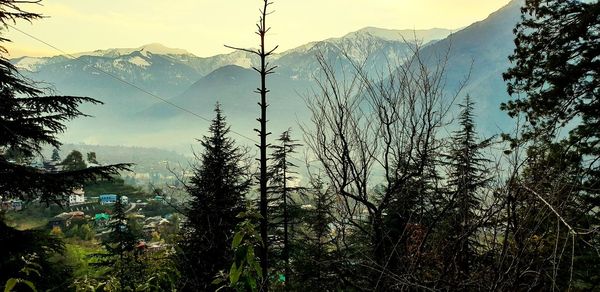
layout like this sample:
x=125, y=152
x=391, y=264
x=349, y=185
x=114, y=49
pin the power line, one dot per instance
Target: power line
x=166, y=101
x=71, y=57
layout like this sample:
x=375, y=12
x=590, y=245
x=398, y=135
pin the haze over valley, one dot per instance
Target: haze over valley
x=131, y=82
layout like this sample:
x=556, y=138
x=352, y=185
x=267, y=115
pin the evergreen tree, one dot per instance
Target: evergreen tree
x=315, y=259
x=55, y=155
x=29, y=120
x=91, y=158
x=556, y=70
x=120, y=246
x=74, y=161
x=281, y=175
x=217, y=192
x=468, y=176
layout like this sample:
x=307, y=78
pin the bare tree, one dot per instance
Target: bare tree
x=378, y=129
x=264, y=70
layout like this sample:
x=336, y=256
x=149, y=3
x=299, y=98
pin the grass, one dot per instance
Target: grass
x=79, y=254
x=23, y=221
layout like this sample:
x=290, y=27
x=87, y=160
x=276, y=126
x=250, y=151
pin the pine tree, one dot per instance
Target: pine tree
x=217, y=190
x=55, y=155
x=468, y=176
x=91, y=158
x=281, y=174
x=315, y=259
x=556, y=69
x=120, y=246
x=29, y=120
x=555, y=75
x=74, y=161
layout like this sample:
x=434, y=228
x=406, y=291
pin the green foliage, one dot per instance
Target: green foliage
x=13, y=282
x=80, y=256
x=467, y=179
x=31, y=267
x=217, y=192
x=120, y=246
x=160, y=273
x=91, y=157
x=81, y=231
x=157, y=209
x=315, y=255
x=32, y=248
x=87, y=284
x=55, y=155
x=74, y=161
x=86, y=232
x=282, y=173
x=73, y=231
x=555, y=72
x=556, y=69
x=245, y=273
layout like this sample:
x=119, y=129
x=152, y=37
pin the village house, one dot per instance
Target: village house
x=77, y=197
x=108, y=199
x=12, y=205
x=101, y=219
x=64, y=220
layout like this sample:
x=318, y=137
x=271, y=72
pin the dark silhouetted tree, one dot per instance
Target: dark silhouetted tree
x=120, y=245
x=74, y=161
x=55, y=155
x=467, y=177
x=282, y=174
x=555, y=73
x=217, y=189
x=91, y=158
x=30, y=120
x=265, y=69
x=316, y=261
x=556, y=69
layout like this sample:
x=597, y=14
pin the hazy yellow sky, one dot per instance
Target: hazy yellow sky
x=203, y=27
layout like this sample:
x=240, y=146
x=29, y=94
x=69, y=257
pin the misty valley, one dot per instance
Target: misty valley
x=379, y=160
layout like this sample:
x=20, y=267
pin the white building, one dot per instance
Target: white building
x=77, y=197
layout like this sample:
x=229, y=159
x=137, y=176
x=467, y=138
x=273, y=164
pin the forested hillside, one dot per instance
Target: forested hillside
x=458, y=160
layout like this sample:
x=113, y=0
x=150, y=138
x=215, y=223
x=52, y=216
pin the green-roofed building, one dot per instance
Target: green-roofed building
x=101, y=219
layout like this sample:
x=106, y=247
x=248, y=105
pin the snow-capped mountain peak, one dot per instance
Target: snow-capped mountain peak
x=154, y=48
x=160, y=49
x=401, y=35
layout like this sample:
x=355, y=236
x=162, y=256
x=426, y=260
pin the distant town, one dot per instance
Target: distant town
x=88, y=217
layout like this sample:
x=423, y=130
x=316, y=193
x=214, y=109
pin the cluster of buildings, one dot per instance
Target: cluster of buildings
x=12, y=205
x=77, y=197
x=108, y=199
x=64, y=220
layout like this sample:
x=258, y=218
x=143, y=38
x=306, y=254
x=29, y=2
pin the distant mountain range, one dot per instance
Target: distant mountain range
x=132, y=117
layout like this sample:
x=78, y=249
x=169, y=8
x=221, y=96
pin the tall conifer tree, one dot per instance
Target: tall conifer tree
x=468, y=175
x=217, y=189
x=120, y=245
x=30, y=120
x=282, y=173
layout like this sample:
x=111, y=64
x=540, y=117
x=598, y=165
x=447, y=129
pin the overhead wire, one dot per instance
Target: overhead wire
x=164, y=100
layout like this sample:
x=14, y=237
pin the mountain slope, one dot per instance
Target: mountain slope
x=233, y=87
x=195, y=84
x=483, y=49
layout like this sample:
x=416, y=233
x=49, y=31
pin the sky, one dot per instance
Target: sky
x=202, y=27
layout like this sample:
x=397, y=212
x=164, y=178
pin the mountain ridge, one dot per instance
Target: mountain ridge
x=159, y=48
x=196, y=83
